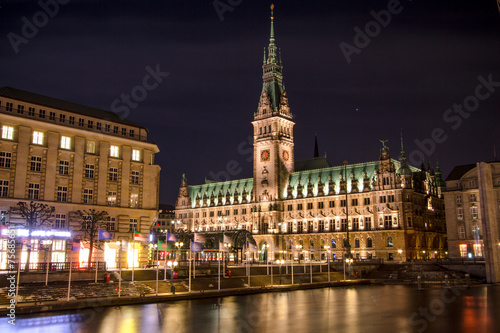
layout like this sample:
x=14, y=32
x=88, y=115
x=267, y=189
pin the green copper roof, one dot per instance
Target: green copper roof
x=355, y=172
x=211, y=190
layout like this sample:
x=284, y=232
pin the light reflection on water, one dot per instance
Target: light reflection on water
x=360, y=309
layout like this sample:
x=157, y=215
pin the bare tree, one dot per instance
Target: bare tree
x=35, y=214
x=91, y=220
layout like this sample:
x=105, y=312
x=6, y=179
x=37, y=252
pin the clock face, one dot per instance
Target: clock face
x=286, y=155
x=265, y=155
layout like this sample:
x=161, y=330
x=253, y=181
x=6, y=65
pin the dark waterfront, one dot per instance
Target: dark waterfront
x=391, y=308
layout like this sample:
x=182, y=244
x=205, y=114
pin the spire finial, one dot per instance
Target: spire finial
x=271, y=40
x=402, y=148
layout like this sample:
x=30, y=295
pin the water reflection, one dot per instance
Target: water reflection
x=361, y=309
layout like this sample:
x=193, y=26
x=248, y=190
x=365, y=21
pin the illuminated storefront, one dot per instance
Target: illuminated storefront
x=46, y=245
x=478, y=250
x=111, y=255
x=463, y=250
x=133, y=251
x=3, y=253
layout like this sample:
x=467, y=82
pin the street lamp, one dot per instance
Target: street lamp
x=172, y=265
x=349, y=262
x=400, y=255
x=227, y=247
x=299, y=250
x=178, y=245
x=327, y=248
x=46, y=245
x=281, y=225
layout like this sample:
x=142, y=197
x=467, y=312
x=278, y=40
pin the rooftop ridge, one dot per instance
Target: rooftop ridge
x=224, y=182
x=63, y=105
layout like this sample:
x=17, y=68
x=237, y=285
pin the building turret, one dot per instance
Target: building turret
x=404, y=171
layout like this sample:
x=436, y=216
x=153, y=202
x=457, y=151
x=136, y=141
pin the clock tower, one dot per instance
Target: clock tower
x=272, y=132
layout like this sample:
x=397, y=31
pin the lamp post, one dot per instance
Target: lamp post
x=157, y=264
x=172, y=265
x=46, y=245
x=327, y=248
x=265, y=257
x=178, y=245
x=310, y=266
x=227, y=246
x=400, y=255
x=349, y=262
x=299, y=251
x=280, y=225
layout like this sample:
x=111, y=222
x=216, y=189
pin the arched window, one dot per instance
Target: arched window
x=334, y=244
x=389, y=242
x=356, y=242
x=369, y=242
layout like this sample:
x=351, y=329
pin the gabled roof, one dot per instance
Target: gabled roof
x=60, y=104
x=212, y=189
x=459, y=171
x=356, y=172
x=312, y=164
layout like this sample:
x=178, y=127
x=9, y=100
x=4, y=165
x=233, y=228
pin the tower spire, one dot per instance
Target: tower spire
x=316, y=152
x=271, y=39
x=273, y=97
x=271, y=53
x=402, y=148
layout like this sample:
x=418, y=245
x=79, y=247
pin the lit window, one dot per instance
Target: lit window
x=112, y=198
x=389, y=242
x=114, y=151
x=463, y=250
x=65, y=142
x=91, y=147
x=136, y=155
x=478, y=250
x=7, y=132
x=134, y=200
x=473, y=213
x=37, y=138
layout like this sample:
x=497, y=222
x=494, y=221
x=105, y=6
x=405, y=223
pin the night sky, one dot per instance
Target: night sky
x=431, y=55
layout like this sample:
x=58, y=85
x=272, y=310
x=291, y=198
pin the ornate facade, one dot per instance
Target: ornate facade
x=391, y=210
